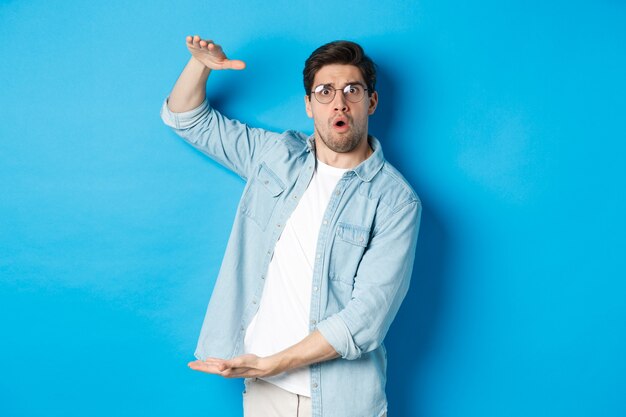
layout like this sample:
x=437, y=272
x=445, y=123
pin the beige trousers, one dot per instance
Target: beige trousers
x=262, y=399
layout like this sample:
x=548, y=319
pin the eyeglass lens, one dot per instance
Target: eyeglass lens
x=352, y=92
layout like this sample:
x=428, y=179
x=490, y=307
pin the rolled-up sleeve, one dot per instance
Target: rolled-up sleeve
x=184, y=120
x=380, y=285
x=231, y=143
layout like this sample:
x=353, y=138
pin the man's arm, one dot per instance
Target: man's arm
x=380, y=285
x=379, y=288
x=231, y=143
x=190, y=88
x=312, y=349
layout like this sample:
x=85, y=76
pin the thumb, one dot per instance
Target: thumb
x=235, y=64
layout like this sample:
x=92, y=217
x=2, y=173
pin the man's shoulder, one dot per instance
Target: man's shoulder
x=284, y=155
x=391, y=188
x=293, y=139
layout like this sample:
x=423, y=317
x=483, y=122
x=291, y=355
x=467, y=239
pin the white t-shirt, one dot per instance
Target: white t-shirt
x=283, y=316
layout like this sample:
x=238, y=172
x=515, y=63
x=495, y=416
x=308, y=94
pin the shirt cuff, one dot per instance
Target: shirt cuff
x=183, y=120
x=336, y=333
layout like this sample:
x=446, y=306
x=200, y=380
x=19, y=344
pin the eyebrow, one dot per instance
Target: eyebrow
x=346, y=84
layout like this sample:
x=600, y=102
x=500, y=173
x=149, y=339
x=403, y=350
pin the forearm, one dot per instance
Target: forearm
x=190, y=88
x=312, y=349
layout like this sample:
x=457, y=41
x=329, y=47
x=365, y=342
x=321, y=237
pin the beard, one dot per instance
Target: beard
x=341, y=142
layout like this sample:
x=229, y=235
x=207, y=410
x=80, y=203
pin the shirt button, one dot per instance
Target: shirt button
x=262, y=276
x=314, y=385
x=314, y=288
x=325, y=221
x=253, y=301
x=313, y=322
x=318, y=256
x=337, y=192
x=266, y=182
x=278, y=225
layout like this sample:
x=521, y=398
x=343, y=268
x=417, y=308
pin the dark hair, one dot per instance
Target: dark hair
x=340, y=52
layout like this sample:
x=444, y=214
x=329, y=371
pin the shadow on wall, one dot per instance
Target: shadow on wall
x=410, y=337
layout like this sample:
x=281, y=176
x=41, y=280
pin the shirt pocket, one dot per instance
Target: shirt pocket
x=259, y=200
x=348, y=247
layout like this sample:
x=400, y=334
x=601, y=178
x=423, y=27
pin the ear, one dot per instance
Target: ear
x=307, y=106
x=373, y=103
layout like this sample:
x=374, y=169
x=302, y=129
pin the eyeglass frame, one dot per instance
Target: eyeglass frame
x=343, y=90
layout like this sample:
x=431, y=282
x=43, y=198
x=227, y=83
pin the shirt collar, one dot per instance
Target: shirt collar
x=367, y=169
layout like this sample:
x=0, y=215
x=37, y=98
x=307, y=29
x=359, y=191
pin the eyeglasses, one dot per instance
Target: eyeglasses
x=324, y=93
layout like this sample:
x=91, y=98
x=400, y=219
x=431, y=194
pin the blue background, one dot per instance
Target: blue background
x=508, y=119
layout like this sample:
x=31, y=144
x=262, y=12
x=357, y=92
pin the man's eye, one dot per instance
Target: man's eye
x=353, y=89
x=325, y=91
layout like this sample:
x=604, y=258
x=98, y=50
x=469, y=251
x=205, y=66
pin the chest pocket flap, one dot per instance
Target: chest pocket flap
x=261, y=196
x=357, y=235
x=270, y=181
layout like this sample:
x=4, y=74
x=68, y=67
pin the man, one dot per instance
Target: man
x=322, y=247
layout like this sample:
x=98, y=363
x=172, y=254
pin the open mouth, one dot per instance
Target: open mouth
x=341, y=123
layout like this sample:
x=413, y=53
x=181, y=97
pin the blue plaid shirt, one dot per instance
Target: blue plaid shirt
x=363, y=263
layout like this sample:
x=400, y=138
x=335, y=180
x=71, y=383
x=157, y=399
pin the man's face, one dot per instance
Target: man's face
x=341, y=125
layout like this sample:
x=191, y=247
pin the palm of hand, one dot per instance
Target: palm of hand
x=211, y=55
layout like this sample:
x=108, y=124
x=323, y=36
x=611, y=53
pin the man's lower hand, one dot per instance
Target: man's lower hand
x=245, y=366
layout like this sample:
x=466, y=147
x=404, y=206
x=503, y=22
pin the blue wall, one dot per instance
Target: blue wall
x=508, y=119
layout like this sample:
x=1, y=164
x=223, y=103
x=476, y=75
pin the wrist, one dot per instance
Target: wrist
x=198, y=66
x=274, y=364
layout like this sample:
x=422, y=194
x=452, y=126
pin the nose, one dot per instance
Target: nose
x=339, y=102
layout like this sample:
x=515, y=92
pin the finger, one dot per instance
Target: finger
x=238, y=362
x=235, y=372
x=205, y=43
x=240, y=373
x=235, y=64
x=215, y=49
x=205, y=367
x=189, y=40
x=219, y=363
x=202, y=367
x=214, y=359
x=192, y=42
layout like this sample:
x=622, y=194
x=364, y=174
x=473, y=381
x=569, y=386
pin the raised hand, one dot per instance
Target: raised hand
x=211, y=54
